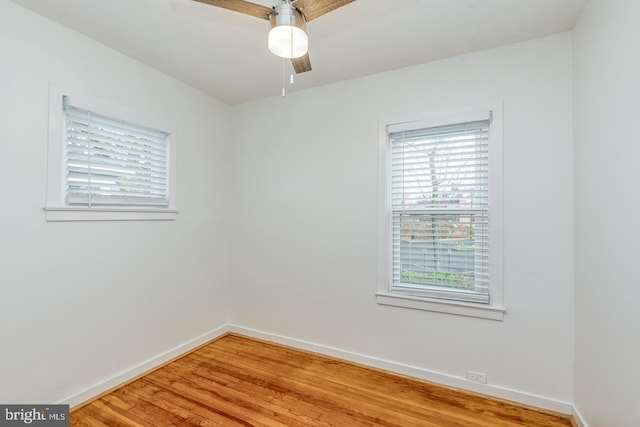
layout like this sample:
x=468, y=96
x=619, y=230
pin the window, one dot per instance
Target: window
x=441, y=213
x=107, y=164
x=112, y=162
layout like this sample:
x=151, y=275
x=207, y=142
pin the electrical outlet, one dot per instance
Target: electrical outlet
x=477, y=377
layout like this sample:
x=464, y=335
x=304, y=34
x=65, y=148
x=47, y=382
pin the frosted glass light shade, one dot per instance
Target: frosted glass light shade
x=288, y=41
x=288, y=34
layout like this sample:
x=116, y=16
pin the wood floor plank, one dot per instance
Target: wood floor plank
x=231, y=401
x=272, y=393
x=237, y=381
x=191, y=411
x=335, y=397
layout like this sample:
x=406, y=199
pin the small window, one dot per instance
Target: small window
x=110, y=162
x=105, y=164
x=443, y=242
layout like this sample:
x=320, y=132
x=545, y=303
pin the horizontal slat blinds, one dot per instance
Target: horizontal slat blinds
x=111, y=162
x=440, y=211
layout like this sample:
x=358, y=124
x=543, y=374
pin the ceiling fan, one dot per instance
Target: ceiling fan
x=288, y=34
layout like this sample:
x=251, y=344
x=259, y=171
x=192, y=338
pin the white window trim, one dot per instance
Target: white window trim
x=55, y=208
x=495, y=310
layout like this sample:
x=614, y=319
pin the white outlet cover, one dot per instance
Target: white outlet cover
x=477, y=377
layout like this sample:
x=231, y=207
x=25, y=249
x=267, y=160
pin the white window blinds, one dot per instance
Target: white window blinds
x=439, y=188
x=111, y=162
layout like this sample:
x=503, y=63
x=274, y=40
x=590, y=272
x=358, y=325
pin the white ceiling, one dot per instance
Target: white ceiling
x=224, y=53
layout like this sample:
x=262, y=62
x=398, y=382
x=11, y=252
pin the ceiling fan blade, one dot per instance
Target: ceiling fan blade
x=241, y=6
x=311, y=9
x=302, y=64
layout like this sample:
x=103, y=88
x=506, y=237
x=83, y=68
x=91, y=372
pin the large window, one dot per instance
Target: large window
x=442, y=237
x=106, y=163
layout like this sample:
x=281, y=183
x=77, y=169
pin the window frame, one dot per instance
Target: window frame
x=385, y=294
x=56, y=208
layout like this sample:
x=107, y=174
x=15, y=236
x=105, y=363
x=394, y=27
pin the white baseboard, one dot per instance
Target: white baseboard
x=577, y=416
x=417, y=372
x=147, y=365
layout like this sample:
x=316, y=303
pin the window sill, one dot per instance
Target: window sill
x=441, y=306
x=108, y=214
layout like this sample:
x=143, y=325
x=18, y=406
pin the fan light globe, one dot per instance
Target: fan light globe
x=288, y=42
x=288, y=37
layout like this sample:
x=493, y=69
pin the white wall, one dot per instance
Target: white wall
x=607, y=88
x=68, y=321
x=305, y=218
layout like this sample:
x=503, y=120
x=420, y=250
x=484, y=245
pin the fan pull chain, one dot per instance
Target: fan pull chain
x=284, y=92
x=283, y=77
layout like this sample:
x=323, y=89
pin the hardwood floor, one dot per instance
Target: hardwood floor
x=238, y=381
